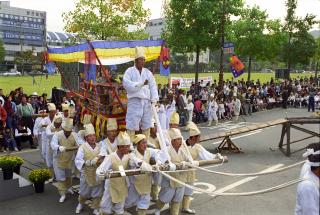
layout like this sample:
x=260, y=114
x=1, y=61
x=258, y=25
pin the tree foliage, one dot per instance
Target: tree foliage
x=27, y=57
x=300, y=46
x=106, y=19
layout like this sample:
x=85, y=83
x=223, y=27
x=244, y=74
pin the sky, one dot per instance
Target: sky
x=55, y=8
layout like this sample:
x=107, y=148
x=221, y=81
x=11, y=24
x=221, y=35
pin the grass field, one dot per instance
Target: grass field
x=40, y=84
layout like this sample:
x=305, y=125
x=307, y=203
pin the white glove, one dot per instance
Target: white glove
x=62, y=148
x=140, y=85
x=145, y=167
x=88, y=163
x=94, y=161
x=172, y=167
x=195, y=163
x=183, y=165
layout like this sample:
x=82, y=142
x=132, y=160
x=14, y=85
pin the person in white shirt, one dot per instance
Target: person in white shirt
x=40, y=124
x=109, y=144
x=307, y=202
x=86, y=162
x=22, y=134
x=189, y=108
x=64, y=145
x=237, y=108
x=142, y=92
x=212, y=111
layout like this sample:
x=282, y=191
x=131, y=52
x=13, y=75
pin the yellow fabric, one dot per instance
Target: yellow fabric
x=90, y=171
x=143, y=182
x=141, y=211
x=194, y=151
x=112, y=124
x=118, y=187
x=181, y=176
x=138, y=138
x=154, y=142
x=65, y=159
x=82, y=200
x=174, y=208
x=96, y=203
x=62, y=187
x=123, y=139
x=193, y=129
x=174, y=119
x=98, y=126
x=146, y=133
x=186, y=202
x=154, y=191
x=151, y=53
x=103, y=125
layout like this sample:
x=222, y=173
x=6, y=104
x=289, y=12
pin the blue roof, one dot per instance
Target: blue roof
x=58, y=36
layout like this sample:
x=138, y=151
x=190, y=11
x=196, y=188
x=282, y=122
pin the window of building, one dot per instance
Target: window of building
x=37, y=14
x=39, y=20
x=160, y=23
x=32, y=13
x=6, y=16
x=28, y=12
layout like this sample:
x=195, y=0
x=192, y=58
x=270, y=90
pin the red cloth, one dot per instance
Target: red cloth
x=3, y=115
x=198, y=105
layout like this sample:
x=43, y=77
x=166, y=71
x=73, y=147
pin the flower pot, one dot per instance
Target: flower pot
x=16, y=169
x=7, y=173
x=39, y=187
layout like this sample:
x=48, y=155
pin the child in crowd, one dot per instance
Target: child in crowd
x=9, y=140
x=230, y=109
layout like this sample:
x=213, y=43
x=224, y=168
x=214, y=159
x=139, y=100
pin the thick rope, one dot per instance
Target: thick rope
x=246, y=174
x=267, y=190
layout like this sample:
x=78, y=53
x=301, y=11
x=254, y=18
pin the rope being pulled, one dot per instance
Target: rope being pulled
x=267, y=190
x=246, y=174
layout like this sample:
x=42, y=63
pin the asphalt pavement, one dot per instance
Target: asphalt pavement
x=260, y=153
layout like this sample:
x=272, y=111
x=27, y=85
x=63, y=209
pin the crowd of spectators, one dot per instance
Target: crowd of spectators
x=254, y=96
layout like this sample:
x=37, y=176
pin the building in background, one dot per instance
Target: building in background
x=21, y=29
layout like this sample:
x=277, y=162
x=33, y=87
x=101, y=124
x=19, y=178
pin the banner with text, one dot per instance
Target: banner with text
x=186, y=82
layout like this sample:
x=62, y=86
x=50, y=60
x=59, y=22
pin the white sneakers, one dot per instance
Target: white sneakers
x=79, y=208
x=62, y=198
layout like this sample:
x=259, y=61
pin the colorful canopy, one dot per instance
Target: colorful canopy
x=110, y=53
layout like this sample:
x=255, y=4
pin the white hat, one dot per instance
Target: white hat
x=139, y=53
x=138, y=137
x=51, y=107
x=57, y=118
x=67, y=125
x=88, y=129
x=34, y=94
x=193, y=129
x=174, y=133
x=86, y=119
x=123, y=139
x=65, y=107
x=174, y=119
x=112, y=124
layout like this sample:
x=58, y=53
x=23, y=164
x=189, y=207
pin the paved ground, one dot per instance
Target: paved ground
x=260, y=153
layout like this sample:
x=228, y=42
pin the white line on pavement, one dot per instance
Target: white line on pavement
x=240, y=136
x=245, y=180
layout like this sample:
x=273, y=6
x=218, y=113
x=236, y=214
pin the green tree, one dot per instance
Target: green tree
x=300, y=46
x=2, y=51
x=27, y=57
x=317, y=57
x=193, y=26
x=106, y=19
x=256, y=37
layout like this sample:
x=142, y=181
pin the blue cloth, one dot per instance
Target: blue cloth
x=164, y=71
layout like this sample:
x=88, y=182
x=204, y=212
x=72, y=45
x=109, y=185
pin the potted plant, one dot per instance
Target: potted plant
x=38, y=177
x=20, y=161
x=7, y=164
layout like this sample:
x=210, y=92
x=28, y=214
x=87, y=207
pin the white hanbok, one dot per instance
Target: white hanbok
x=212, y=111
x=139, y=97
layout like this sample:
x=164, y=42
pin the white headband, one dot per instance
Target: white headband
x=310, y=152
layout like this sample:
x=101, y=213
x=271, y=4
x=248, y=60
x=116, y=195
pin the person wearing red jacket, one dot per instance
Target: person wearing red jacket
x=3, y=114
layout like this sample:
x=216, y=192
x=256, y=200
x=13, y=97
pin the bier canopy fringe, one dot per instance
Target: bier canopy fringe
x=109, y=52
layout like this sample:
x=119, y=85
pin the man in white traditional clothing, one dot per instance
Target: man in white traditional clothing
x=140, y=185
x=197, y=152
x=212, y=111
x=109, y=144
x=237, y=108
x=171, y=191
x=86, y=162
x=115, y=189
x=51, y=129
x=39, y=131
x=189, y=108
x=142, y=92
x=308, y=190
x=170, y=109
x=64, y=146
x=80, y=134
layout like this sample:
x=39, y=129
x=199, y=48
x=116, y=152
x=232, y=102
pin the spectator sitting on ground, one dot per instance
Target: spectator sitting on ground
x=23, y=134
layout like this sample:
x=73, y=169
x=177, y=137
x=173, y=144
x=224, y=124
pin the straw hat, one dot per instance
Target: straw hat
x=174, y=133
x=174, y=119
x=67, y=125
x=89, y=129
x=193, y=129
x=51, y=107
x=139, y=53
x=123, y=139
x=112, y=124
